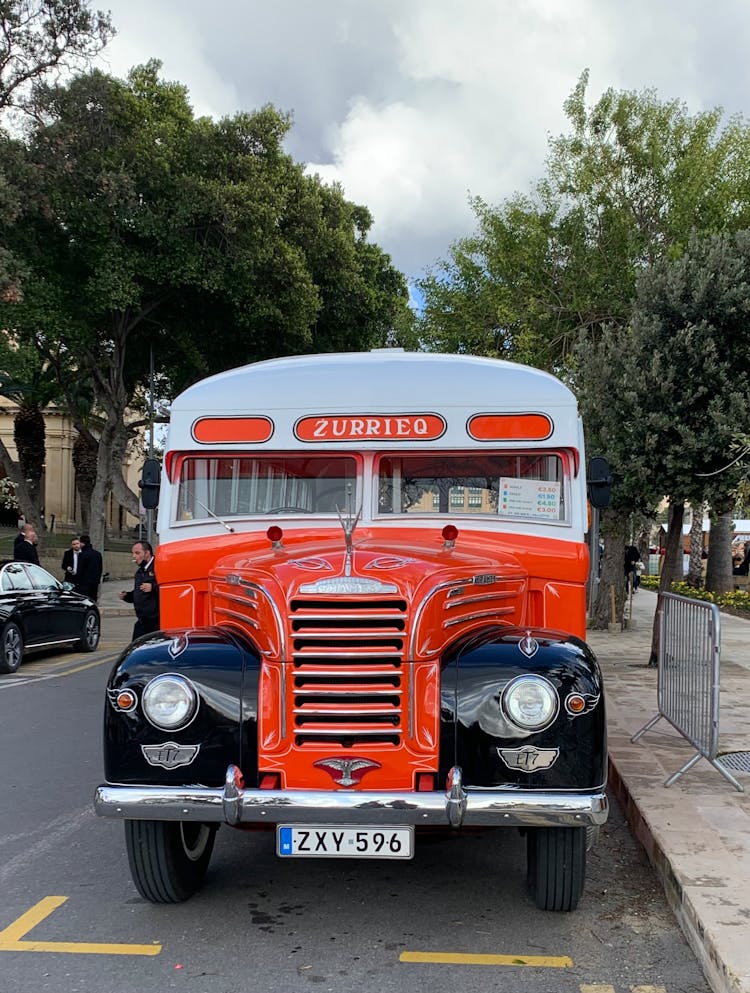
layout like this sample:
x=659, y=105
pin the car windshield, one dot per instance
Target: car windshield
x=525, y=486
x=241, y=485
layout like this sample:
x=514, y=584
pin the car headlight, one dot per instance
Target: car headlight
x=170, y=702
x=530, y=702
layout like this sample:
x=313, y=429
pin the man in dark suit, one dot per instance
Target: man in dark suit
x=89, y=569
x=26, y=550
x=145, y=593
x=70, y=562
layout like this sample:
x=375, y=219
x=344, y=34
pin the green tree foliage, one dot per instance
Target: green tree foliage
x=669, y=399
x=38, y=39
x=625, y=186
x=144, y=228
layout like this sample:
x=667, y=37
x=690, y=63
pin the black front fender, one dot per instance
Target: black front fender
x=223, y=668
x=477, y=735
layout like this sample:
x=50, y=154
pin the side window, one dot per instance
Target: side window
x=17, y=578
x=42, y=579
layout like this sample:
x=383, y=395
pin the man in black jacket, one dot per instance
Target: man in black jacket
x=145, y=593
x=89, y=569
x=26, y=550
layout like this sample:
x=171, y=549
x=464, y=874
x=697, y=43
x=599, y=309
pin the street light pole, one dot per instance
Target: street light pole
x=150, y=513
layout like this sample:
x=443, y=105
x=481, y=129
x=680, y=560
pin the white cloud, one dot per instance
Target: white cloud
x=412, y=106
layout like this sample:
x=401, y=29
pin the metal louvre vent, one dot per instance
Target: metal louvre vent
x=234, y=601
x=347, y=669
x=501, y=602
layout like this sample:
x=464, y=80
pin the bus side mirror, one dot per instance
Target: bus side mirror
x=599, y=482
x=149, y=483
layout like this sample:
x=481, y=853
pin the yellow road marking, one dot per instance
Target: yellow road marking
x=597, y=988
x=460, y=958
x=87, y=665
x=648, y=989
x=10, y=938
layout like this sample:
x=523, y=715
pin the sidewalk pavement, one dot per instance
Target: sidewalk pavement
x=697, y=831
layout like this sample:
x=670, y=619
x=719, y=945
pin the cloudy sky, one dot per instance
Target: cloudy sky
x=413, y=105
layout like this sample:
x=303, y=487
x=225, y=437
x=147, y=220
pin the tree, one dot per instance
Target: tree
x=671, y=397
x=144, y=228
x=38, y=39
x=31, y=386
x=625, y=187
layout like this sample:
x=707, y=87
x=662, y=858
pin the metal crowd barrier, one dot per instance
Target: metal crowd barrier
x=688, y=681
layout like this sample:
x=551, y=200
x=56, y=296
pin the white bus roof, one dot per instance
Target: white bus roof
x=383, y=381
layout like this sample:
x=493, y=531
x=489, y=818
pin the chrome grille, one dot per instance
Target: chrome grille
x=347, y=670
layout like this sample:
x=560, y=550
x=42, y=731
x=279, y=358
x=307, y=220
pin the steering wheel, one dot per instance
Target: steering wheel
x=288, y=509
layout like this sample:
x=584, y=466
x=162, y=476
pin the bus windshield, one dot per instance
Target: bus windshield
x=521, y=485
x=242, y=485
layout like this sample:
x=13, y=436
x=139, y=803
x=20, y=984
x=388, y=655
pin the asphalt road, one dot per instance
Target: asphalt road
x=456, y=916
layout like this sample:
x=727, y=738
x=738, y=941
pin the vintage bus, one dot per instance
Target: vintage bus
x=372, y=570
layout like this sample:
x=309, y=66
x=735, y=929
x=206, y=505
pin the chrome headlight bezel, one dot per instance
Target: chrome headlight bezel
x=153, y=695
x=547, y=696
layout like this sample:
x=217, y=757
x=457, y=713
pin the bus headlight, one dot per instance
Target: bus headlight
x=170, y=702
x=530, y=702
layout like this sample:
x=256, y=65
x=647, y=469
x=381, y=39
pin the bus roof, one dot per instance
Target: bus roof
x=377, y=379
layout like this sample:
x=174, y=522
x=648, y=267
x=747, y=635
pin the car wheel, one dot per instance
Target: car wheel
x=91, y=632
x=556, y=866
x=11, y=647
x=168, y=859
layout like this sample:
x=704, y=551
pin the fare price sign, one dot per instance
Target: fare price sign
x=529, y=498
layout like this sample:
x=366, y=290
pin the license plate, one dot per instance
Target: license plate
x=329, y=841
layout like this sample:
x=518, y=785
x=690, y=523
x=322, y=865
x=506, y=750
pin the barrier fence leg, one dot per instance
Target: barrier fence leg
x=646, y=727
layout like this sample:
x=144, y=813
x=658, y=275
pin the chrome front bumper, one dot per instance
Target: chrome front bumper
x=455, y=807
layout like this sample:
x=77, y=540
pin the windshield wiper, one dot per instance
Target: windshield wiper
x=210, y=512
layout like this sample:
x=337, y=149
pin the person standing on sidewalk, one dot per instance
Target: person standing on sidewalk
x=26, y=550
x=145, y=593
x=70, y=560
x=89, y=569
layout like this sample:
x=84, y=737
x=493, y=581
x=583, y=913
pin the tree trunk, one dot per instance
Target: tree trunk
x=612, y=531
x=672, y=560
x=695, y=569
x=719, y=565
x=85, y=458
x=29, y=436
x=28, y=508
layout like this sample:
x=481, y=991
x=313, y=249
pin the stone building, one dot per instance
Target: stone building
x=60, y=501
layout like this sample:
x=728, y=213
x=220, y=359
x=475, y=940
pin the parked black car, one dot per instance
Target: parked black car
x=37, y=611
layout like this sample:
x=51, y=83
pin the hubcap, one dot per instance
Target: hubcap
x=12, y=647
x=194, y=839
x=92, y=631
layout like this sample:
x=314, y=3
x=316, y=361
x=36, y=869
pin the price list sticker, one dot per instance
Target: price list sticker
x=530, y=498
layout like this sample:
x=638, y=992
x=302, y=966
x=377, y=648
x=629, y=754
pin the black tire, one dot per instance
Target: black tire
x=91, y=632
x=11, y=647
x=556, y=866
x=168, y=859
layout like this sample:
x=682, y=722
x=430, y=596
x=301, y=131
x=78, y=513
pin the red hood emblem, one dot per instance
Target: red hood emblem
x=346, y=772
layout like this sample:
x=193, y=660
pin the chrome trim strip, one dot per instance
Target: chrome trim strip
x=234, y=805
x=226, y=612
x=252, y=603
x=462, y=601
x=478, y=615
